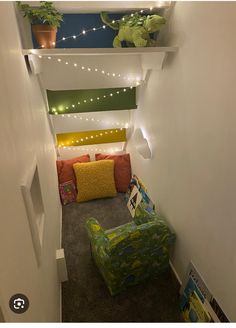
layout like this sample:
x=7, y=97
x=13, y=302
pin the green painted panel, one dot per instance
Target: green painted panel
x=93, y=100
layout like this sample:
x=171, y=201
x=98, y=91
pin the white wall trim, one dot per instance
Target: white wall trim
x=175, y=273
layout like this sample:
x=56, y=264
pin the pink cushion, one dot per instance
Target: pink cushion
x=65, y=168
x=122, y=170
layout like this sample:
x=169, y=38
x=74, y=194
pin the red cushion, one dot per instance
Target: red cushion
x=65, y=169
x=122, y=169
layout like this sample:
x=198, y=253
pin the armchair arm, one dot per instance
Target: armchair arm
x=95, y=231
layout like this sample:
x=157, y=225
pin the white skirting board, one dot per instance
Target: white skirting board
x=175, y=273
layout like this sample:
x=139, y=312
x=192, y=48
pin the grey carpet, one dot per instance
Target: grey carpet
x=85, y=297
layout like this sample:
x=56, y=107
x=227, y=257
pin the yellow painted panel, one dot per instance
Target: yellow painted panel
x=91, y=137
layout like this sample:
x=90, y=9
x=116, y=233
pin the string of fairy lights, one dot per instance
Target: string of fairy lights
x=134, y=81
x=90, y=148
x=75, y=106
x=91, y=138
x=93, y=29
x=94, y=120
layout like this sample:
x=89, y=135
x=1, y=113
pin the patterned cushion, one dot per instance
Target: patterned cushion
x=67, y=192
x=95, y=180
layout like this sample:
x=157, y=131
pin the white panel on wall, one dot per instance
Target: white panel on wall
x=91, y=121
x=61, y=76
x=108, y=148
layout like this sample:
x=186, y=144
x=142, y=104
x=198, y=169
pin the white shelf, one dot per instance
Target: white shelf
x=98, y=51
x=150, y=58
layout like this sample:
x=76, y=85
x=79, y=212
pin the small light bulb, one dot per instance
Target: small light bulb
x=132, y=15
x=84, y=32
x=104, y=26
x=108, y=74
x=117, y=92
x=91, y=137
x=113, y=74
x=89, y=69
x=63, y=115
x=73, y=106
x=101, y=134
x=94, y=29
x=141, y=11
x=81, y=139
x=59, y=59
x=87, y=119
x=124, y=90
x=96, y=69
x=82, y=67
x=69, y=115
x=151, y=8
x=111, y=94
x=78, y=103
x=123, y=18
x=77, y=140
x=56, y=113
x=63, y=39
x=103, y=72
x=92, y=119
x=42, y=46
x=74, y=36
x=104, y=96
x=80, y=118
x=54, y=43
x=40, y=56
x=91, y=99
x=67, y=63
x=119, y=75
x=113, y=22
x=86, y=138
x=106, y=132
x=75, y=64
x=67, y=107
x=51, y=58
x=98, y=98
x=75, y=116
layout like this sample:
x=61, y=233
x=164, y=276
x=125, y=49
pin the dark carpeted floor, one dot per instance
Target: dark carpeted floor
x=85, y=297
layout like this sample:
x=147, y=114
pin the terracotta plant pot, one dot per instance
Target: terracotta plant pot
x=45, y=35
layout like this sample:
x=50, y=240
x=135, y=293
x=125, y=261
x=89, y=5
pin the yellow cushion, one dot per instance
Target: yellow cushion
x=95, y=180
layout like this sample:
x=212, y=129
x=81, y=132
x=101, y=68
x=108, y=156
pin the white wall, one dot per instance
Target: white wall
x=24, y=134
x=187, y=112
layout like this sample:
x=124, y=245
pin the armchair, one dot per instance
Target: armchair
x=130, y=253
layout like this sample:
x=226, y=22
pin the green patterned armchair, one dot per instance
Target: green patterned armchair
x=130, y=253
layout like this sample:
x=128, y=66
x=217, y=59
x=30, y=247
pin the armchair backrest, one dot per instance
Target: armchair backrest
x=142, y=238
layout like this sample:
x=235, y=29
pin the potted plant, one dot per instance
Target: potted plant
x=45, y=20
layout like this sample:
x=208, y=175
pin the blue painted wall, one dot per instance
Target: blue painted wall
x=75, y=23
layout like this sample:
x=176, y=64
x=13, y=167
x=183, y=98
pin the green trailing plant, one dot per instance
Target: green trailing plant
x=45, y=14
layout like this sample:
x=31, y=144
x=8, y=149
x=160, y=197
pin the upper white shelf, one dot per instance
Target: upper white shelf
x=98, y=51
x=149, y=57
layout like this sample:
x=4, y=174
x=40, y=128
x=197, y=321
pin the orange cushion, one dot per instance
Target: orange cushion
x=65, y=168
x=122, y=170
